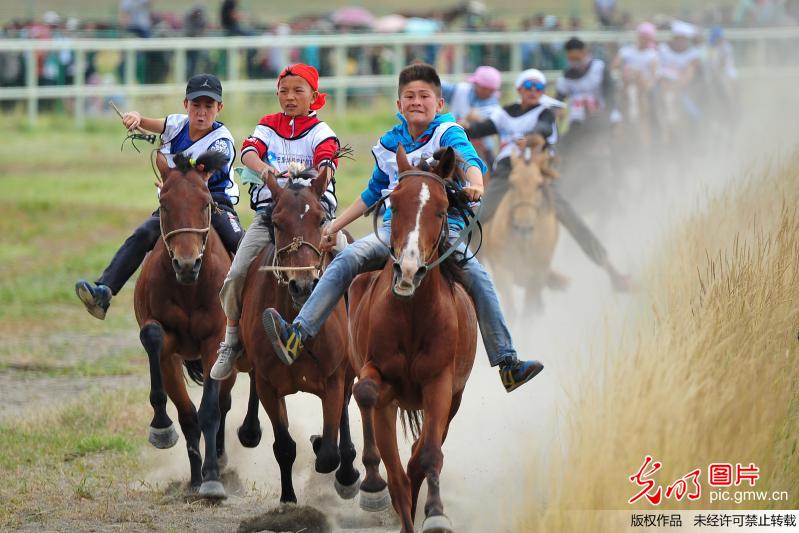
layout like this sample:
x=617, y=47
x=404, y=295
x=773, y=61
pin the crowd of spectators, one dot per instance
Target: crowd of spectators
x=146, y=19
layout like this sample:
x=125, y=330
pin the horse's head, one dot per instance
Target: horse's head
x=185, y=212
x=297, y=219
x=530, y=170
x=419, y=220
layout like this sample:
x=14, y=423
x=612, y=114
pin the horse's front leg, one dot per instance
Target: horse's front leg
x=374, y=491
x=249, y=431
x=284, y=447
x=209, y=417
x=437, y=402
x=327, y=458
x=162, y=430
x=347, y=476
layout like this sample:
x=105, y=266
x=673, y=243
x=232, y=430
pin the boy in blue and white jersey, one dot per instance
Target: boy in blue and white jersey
x=190, y=134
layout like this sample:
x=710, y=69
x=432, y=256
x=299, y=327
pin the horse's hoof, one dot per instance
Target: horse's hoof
x=221, y=461
x=212, y=490
x=375, y=501
x=437, y=524
x=247, y=439
x=347, y=492
x=163, y=438
x=316, y=441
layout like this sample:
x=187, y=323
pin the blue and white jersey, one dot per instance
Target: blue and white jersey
x=461, y=99
x=175, y=140
x=443, y=131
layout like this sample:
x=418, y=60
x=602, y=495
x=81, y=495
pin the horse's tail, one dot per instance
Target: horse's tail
x=411, y=419
x=195, y=370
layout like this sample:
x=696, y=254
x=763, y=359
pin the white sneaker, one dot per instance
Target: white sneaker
x=225, y=359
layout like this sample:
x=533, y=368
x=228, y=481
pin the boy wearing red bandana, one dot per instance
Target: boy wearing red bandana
x=293, y=138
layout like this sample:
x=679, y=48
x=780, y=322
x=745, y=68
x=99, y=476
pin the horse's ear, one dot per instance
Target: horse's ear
x=319, y=183
x=447, y=162
x=271, y=183
x=403, y=165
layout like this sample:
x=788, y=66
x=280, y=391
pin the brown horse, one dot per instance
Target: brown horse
x=283, y=277
x=414, y=333
x=177, y=307
x=520, y=239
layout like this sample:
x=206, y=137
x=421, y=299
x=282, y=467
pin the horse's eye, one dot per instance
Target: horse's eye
x=441, y=214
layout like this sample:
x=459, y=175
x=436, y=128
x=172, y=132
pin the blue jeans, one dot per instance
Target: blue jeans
x=369, y=254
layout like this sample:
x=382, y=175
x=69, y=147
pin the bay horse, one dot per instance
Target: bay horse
x=414, y=333
x=282, y=277
x=181, y=321
x=519, y=241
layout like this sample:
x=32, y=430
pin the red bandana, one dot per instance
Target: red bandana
x=309, y=74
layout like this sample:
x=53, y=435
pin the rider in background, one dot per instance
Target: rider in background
x=722, y=76
x=422, y=130
x=678, y=70
x=189, y=134
x=638, y=65
x=533, y=113
x=295, y=135
x=588, y=87
x=474, y=100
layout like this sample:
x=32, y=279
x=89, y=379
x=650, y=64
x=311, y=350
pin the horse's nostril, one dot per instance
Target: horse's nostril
x=176, y=264
x=293, y=287
x=198, y=263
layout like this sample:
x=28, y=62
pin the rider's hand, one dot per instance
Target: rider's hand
x=266, y=170
x=131, y=120
x=328, y=238
x=159, y=183
x=473, y=192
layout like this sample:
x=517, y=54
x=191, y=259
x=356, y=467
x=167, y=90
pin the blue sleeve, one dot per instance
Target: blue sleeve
x=447, y=90
x=374, y=189
x=457, y=139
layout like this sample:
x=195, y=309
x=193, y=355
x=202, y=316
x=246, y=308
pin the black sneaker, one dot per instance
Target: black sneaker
x=516, y=373
x=96, y=298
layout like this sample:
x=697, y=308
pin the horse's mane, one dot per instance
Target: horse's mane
x=536, y=141
x=209, y=161
x=451, y=268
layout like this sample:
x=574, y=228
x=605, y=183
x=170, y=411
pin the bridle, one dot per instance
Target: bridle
x=462, y=237
x=296, y=243
x=202, y=231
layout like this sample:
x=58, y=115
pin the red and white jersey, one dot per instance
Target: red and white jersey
x=280, y=140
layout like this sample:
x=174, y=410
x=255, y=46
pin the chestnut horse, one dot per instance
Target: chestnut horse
x=181, y=320
x=519, y=241
x=283, y=277
x=414, y=333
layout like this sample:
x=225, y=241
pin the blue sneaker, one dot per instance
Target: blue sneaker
x=286, y=338
x=96, y=298
x=516, y=373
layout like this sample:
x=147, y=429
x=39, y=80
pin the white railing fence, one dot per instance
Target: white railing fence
x=760, y=52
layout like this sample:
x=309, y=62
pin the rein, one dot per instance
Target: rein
x=203, y=231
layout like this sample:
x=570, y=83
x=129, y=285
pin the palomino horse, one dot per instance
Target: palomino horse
x=177, y=307
x=323, y=369
x=414, y=333
x=520, y=239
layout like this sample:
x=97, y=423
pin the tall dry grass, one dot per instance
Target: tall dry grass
x=706, y=373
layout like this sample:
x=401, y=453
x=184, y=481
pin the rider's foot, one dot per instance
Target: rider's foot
x=621, y=282
x=286, y=338
x=225, y=360
x=96, y=298
x=515, y=373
